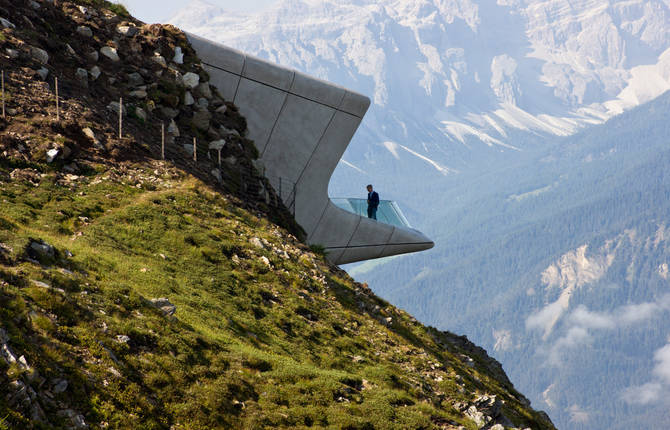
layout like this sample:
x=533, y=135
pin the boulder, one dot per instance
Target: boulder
x=39, y=54
x=203, y=90
x=138, y=94
x=188, y=99
x=164, y=305
x=158, y=59
x=93, y=56
x=135, y=79
x=52, y=154
x=12, y=53
x=169, y=113
x=6, y=24
x=82, y=76
x=84, y=31
x=127, y=30
x=141, y=114
x=173, y=129
x=95, y=72
x=203, y=103
x=191, y=80
x=43, y=72
x=40, y=248
x=110, y=53
x=201, y=120
x=178, y=56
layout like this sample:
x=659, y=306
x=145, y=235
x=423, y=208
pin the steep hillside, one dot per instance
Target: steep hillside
x=142, y=293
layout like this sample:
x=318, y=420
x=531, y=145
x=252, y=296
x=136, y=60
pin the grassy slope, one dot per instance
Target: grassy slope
x=296, y=343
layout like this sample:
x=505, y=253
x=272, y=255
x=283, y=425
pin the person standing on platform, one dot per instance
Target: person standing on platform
x=373, y=203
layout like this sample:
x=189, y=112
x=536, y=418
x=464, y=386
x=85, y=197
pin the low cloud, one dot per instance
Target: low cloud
x=658, y=388
x=582, y=322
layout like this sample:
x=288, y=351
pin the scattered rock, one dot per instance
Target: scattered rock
x=6, y=24
x=158, y=59
x=115, y=107
x=164, y=305
x=141, y=114
x=222, y=109
x=12, y=53
x=191, y=80
x=256, y=242
x=135, y=79
x=169, y=113
x=266, y=261
x=178, y=56
x=95, y=72
x=138, y=94
x=127, y=30
x=203, y=103
x=84, y=31
x=93, y=56
x=35, y=5
x=52, y=154
x=39, y=54
x=59, y=385
x=122, y=338
x=203, y=90
x=173, y=129
x=82, y=76
x=110, y=53
x=188, y=99
x=44, y=73
x=217, y=174
x=78, y=421
x=201, y=120
x=70, y=51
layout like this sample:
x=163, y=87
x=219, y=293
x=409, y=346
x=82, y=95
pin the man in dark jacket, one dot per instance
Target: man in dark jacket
x=373, y=203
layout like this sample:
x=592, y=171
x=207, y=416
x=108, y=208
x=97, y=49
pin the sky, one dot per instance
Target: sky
x=152, y=11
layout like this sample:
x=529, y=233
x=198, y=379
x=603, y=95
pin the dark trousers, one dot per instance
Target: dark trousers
x=372, y=212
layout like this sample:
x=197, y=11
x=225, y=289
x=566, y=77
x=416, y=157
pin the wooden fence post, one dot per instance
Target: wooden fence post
x=3, y=95
x=195, y=150
x=121, y=118
x=57, y=102
x=163, y=140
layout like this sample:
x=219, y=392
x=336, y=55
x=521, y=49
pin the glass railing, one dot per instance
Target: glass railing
x=388, y=211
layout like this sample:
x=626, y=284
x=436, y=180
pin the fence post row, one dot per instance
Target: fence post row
x=57, y=100
x=3, y=95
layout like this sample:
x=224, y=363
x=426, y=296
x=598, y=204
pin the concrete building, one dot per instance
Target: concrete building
x=301, y=127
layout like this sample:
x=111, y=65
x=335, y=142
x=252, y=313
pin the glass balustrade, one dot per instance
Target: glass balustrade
x=388, y=211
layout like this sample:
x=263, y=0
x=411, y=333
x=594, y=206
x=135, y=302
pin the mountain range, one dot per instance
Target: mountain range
x=529, y=140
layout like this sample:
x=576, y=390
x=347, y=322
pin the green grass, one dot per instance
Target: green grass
x=293, y=345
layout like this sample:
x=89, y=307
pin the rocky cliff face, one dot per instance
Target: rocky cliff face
x=138, y=292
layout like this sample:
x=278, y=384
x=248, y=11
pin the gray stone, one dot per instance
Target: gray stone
x=43, y=72
x=12, y=53
x=78, y=421
x=93, y=56
x=141, y=114
x=173, y=129
x=127, y=30
x=70, y=50
x=217, y=174
x=35, y=5
x=110, y=53
x=191, y=80
x=82, y=76
x=84, y=31
x=138, y=94
x=164, y=305
x=95, y=72
x=169, y=113
x=135, y=79
x=256, y=242
x=122, y=338
x=158, y=59
x=201, y=120
x=52, y=154
x=6, y=24
x=203, y=90
x=59, y=385
x=91, y=135
x=83, y=10
x=188, y=99
x=217, y=145
x=39, y=54
x=203, y=103
x=178, y=56
x=229, y=131
x=222, y=109
x=42, y=248
x=115, y=107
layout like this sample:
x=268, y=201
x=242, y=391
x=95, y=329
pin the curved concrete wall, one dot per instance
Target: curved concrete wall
x=301, y=127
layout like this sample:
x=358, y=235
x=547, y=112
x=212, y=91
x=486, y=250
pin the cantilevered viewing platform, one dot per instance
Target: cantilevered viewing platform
x=301, y=127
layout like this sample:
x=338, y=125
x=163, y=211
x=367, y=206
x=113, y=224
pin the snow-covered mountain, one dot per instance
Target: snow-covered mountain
x=551, y=230
x=450, y=73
